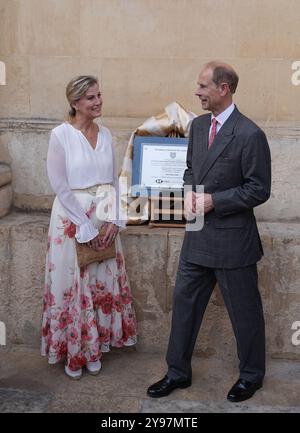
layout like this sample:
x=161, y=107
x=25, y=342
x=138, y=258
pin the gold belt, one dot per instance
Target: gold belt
x=92, y=189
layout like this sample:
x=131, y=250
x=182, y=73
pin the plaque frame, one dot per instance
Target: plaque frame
x=138, y=144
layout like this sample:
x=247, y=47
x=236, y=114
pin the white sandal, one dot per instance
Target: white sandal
x=94, y=367
x=75, y=375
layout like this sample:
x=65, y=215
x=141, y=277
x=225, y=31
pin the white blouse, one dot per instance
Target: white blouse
x=72, y=163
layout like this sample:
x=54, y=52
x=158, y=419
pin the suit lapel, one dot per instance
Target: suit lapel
x=223, y=138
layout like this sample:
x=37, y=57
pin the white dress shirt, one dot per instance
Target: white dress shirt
x=72, y=163
x=222, y=117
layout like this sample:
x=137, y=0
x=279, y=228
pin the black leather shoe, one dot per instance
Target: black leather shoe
x=166, y=385
x=242, y=390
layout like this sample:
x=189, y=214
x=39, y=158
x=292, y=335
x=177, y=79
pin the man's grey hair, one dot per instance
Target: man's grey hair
x=223, y=73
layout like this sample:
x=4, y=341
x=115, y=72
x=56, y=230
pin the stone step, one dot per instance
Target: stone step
x=29, y=384
x=152, y=258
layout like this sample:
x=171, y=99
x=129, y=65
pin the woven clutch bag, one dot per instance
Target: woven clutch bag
x=86, y=255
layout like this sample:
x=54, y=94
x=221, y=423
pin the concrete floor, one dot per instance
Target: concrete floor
x=29, y=384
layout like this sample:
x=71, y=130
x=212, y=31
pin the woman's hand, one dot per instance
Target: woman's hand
x=100, y=242
x=96, y=243
x=111, y=231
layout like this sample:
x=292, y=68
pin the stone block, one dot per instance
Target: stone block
x=6, y=199
x=126, y=21
x=146, y=259
x=261, y=103
x=41, y=28
x=288, y=96
x=139, y=45
x=175, y=239
x=8, y=24
x=14, y=401
x=4, y=138
x=27, y=267
x=198, y=39
x=5, y=174
x=24, y=144
x=49, y=101
x=124, y=99
x=5, y=258
x=279, y=273
x=17, y=81
x=283, y=204
x=154, y=25
x=152, y=258
x=260, y=36
x=28, y=151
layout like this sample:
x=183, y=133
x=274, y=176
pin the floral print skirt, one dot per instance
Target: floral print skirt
x=88, y=309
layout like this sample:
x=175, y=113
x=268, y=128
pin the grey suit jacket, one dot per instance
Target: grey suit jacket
x=236, y=170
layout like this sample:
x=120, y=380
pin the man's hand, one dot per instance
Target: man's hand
x=204, y=203
x=189, y=205
x=197, y=204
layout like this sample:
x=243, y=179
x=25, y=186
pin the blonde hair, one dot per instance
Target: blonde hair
x=77, y=88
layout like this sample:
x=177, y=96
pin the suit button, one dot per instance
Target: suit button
x=207, y=223
x=216, y=181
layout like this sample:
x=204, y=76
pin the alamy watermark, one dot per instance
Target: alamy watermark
x=295, y=78
x=2, y=74
x=2, y=334
x=109, y=208
x=296, y=335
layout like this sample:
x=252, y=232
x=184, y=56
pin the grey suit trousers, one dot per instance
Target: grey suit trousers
x=193, y=288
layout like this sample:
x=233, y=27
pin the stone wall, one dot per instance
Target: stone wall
x=151, y=254
x=152, y=259
x=147, y=53
x=24, y=143
x=6, y=194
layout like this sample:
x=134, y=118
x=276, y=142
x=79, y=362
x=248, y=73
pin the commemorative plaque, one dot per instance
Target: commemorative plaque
x=158, y=167
x=158, y=164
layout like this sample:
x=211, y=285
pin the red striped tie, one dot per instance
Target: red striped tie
x=213, y=132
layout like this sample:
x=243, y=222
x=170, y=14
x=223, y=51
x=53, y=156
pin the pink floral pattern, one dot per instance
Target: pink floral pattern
x=86, y=310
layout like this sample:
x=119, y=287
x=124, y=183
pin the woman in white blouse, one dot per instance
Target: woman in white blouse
x=87, y=309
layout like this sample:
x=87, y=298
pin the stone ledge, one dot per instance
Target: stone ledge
x=27, y=202
x=30, y=124
x=277, y=128
x=152, y=258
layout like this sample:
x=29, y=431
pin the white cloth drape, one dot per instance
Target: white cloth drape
x=174, y=121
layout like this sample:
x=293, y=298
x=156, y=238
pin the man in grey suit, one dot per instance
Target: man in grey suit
x=229, y=155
